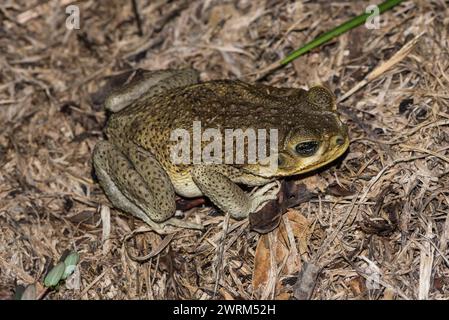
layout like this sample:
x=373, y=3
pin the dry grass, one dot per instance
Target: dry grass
x=385, y=205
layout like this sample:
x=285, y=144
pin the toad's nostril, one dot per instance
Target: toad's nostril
x=339, y=140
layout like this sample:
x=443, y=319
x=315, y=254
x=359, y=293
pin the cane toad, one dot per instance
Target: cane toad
x=135, y=166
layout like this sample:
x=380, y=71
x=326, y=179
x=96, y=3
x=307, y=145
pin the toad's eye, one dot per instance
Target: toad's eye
x=307, y=149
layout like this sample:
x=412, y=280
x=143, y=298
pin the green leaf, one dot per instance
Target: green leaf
x=348, y=25
x=55, y=275
x=70, y=264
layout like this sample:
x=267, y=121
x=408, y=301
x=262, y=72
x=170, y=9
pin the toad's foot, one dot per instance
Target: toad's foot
x=264, y=194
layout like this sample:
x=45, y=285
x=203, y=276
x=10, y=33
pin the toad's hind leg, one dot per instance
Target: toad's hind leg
x=158, y=181
x=129, y=191
x=147, y=83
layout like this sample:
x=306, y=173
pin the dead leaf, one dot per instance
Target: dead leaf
x=290, y=195
x=357, y=286
x=261, y=262
x=105, y=213
x=389, y=294
x=283, y=296
x=306, y=281
x=286, y=243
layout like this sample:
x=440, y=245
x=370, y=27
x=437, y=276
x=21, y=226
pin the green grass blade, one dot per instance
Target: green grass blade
x=325, y=37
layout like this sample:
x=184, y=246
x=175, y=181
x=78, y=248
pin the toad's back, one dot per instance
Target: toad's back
x=217, y=104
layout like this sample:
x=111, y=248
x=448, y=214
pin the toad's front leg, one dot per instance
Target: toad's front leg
x=215, y=182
